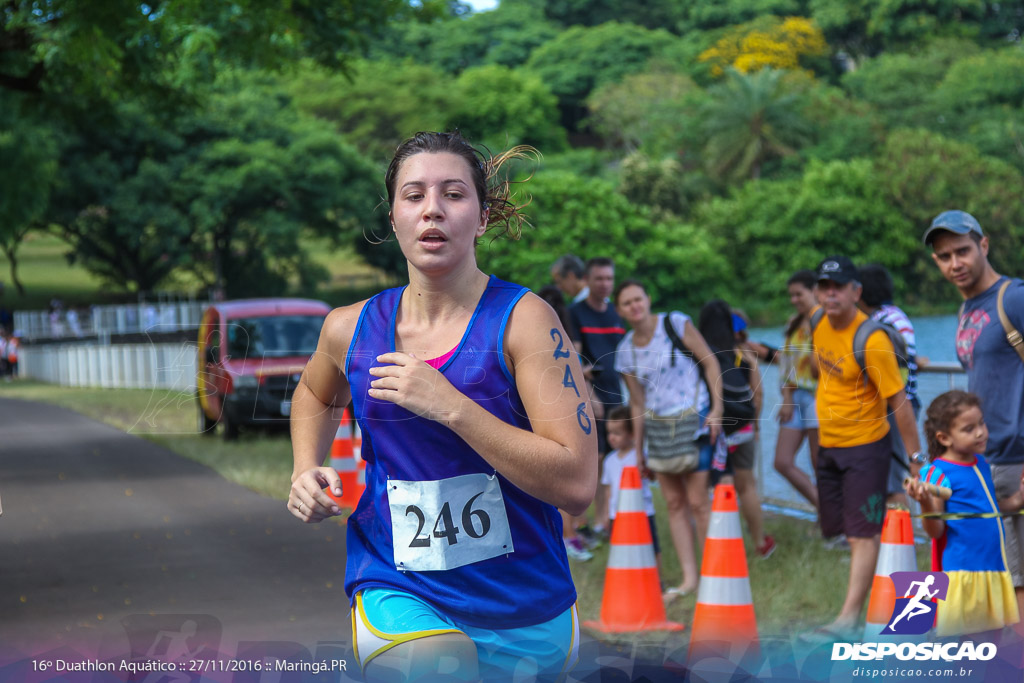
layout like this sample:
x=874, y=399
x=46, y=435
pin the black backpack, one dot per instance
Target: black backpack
x=738, y=400
x=860, y=341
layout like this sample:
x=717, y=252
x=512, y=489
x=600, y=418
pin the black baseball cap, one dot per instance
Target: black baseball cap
x=838, y=269
x=956, y=222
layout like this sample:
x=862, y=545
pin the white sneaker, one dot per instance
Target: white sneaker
x=575, y=550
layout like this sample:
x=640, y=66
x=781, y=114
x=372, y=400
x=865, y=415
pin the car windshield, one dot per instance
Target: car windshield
x=277, y=336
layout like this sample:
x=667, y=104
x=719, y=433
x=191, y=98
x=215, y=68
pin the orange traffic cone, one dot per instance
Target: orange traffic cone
x=343, y=460
x=632, y=589
x=723, y=620
x=896, y=554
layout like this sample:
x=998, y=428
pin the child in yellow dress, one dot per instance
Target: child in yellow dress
x=980, y=596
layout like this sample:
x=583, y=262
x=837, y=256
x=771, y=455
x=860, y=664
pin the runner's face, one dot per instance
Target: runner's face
x=618, y=436
x=436, y=215
x=601, y=280
x=801, y=298
x=633, y=304
x=967, y=435
x=960, y=259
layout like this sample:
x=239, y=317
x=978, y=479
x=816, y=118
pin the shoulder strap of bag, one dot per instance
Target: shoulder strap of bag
x=677, y=341
x=816, y=317
x=678, y=345
x=866, y=329
x=1013, y=336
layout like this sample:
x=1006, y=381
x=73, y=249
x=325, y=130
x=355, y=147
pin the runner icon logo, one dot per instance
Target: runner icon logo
x=914, y=612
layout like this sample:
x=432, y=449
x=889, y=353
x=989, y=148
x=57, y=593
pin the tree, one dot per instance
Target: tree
x=647, y=13
x=641, y=110
x=901, y=86
x=573, y=214
x=101, y=49
x=767, y=42
x=29, y=154
x=751, y=119
x=843, y=127
x=224, y=193
x=665, y=185
x=865, y=28
x=379, y=105
x=499, y=107
x=705, y=15
x=926, y=174
x=505, y=36
x=583, y=58
x=773, y=228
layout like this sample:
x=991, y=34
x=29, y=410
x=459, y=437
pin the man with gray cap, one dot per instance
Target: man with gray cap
x=993, y=359
x=853, y=403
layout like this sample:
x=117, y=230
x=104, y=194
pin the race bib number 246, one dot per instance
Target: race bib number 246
x=439, y=525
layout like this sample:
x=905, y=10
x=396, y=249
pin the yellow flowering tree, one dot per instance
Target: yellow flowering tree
x=767, y=42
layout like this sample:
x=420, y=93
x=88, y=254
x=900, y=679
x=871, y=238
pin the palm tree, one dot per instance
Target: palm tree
x=749, y=119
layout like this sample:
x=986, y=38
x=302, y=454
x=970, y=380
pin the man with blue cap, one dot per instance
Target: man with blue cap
x=993, y=358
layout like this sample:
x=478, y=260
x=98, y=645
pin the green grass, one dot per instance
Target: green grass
x=44, y=271
x=801, y=586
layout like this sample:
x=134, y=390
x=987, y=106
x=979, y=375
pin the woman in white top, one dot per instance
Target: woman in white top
x=666, y=388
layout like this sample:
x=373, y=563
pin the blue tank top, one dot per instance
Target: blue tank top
x=531, y=585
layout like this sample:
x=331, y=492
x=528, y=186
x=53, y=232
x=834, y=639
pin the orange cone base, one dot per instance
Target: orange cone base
x=632, y=602
x=883, y=600
x=724, y=623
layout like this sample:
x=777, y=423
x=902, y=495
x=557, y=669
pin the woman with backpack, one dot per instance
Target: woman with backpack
x=662, y=360
x=740, y=382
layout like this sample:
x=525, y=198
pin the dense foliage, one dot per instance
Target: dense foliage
x=712, y=147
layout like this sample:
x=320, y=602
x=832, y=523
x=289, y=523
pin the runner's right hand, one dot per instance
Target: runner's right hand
x=308, y=500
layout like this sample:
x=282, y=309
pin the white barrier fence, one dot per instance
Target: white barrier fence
x=122, y=366
x=167, y=316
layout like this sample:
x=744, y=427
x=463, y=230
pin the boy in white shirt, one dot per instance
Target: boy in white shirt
x=620, y=437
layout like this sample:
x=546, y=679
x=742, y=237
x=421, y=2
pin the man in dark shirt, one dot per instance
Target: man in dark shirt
x=995, y=370
x=596, y=331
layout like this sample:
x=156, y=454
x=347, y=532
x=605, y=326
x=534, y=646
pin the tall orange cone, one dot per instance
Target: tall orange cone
x=343, y=460
x=896, y=554
x=724, y=621
x=632, y=590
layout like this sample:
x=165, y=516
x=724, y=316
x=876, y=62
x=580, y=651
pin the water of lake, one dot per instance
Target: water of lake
x=934, y=341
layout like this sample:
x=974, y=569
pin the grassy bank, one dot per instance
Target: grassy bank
x=800, y=586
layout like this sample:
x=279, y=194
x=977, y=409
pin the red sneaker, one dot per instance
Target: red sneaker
x=765, y=551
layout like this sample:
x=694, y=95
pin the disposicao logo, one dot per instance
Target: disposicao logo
x=914, y=613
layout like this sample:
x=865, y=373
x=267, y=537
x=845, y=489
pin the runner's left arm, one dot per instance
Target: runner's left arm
x=557, y=461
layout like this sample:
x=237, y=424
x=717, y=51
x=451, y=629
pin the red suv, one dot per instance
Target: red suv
x=251, y=356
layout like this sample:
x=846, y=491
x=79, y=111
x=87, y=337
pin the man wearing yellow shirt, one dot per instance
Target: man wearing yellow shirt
x=853, y=404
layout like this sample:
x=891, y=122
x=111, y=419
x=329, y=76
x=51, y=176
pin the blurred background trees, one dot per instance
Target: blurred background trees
x=713, y=147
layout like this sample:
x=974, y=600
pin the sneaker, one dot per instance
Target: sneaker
x=836, y=543
x=765, y=551
x=590, y=537
x=575, y=550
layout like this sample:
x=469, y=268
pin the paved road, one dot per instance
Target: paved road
x=112, y=547
x=106, y=540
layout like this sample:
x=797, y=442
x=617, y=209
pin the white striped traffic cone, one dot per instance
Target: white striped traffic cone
x=896, y=554
x=632, y=589
x=723, y=621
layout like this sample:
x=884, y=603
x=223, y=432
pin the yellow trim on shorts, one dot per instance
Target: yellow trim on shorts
x=394, y=639
x=566, y=667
